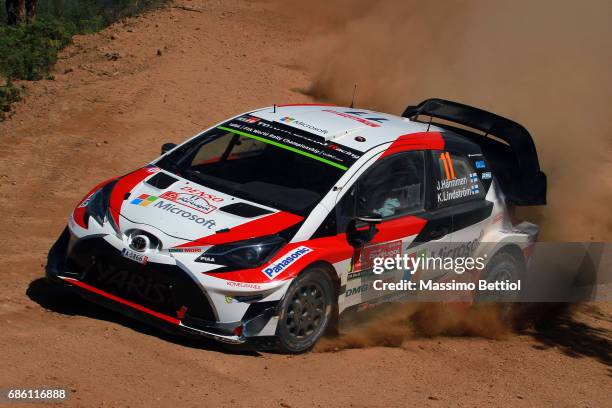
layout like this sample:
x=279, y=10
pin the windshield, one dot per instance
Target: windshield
x=281, y=168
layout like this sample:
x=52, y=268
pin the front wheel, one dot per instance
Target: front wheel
x=305, y=311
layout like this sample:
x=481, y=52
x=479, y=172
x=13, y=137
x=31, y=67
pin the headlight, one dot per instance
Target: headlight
x=98, y=206
x=243, y=254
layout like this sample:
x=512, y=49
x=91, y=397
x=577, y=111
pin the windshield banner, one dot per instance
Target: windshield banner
x=295, y=140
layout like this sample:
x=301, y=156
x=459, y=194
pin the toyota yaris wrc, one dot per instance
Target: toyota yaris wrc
x=263, y=228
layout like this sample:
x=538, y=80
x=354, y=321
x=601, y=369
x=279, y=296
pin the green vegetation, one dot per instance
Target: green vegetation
x=9, y=93
x=29, y=50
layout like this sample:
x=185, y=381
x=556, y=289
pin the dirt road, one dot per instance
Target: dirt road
x=117, y=96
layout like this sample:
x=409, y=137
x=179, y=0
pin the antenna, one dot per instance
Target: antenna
x=429, y=123
x=353, y=100
x=274, y=111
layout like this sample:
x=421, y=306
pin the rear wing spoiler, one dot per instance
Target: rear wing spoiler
x=507, y=146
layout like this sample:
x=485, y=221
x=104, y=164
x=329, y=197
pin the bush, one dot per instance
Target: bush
x=27, y=51
x=9, y=93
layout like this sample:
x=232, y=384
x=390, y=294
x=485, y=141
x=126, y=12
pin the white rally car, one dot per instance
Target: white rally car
x=263, y=228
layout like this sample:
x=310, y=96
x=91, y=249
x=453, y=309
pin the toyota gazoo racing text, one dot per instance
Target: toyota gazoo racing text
x=262, y=229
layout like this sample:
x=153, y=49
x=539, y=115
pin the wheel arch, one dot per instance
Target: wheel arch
x=329, y=270
x=513, y=250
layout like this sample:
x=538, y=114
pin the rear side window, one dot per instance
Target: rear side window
x=457, y=180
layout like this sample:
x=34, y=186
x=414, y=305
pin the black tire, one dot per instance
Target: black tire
x=503, y=266
x=305, y=311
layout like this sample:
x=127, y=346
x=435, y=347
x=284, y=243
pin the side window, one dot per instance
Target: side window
x=394, y=186
x=457, y=180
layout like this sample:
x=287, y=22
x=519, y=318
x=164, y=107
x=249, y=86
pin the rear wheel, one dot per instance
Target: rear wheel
x=503, y=267
x=305, y=311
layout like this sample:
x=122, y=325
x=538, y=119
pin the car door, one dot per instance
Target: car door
x=461, y=182
x=396, y=189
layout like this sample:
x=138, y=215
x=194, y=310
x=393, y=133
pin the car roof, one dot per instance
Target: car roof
x=359, y=129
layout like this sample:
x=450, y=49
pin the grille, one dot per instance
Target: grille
x=162, y=288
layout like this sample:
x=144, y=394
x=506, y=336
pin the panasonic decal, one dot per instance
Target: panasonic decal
x=274, y=269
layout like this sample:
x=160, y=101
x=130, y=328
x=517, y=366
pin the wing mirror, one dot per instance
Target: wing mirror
x=166, y=147
x=356, y=233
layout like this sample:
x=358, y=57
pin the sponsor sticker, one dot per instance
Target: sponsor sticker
x=202, y=194
x=243, y=285
x=144, y=200
x=174, y=209
x=358, y=116
x=480, y=164
x=134, y=256
x=485, y=175
x=186, y=250
x=86, y=201
x=365, y=262
x=359, y=289
x=192, y=201
x=308, y=126
x=275, y=268
x=249, y=119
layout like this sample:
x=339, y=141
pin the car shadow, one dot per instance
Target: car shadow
x=59, y=300
x=563, y=331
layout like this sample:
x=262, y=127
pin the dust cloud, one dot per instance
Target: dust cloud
x=395, y=325
x=545, y=64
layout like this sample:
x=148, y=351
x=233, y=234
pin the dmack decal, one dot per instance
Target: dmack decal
x=274, y=269
x=359, y=289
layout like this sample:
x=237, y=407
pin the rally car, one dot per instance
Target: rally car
x=262, y=229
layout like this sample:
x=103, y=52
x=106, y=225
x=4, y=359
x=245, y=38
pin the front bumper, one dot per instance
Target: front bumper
x=160, y=295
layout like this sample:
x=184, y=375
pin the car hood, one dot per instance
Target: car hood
x=189, y=211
